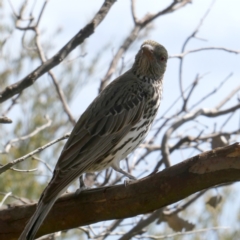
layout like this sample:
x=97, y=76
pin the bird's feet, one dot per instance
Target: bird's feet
x=127, y=181
x=82, y=186
x=80, y=189
x=130, y=178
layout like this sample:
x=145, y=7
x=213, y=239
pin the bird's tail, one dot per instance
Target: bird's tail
x=35, y=222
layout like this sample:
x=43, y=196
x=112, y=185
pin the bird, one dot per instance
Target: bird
x=111, y=127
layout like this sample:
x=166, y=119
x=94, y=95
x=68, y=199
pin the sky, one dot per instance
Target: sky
x=220, y=29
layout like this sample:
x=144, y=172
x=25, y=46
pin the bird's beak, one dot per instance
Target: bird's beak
x=148, y=51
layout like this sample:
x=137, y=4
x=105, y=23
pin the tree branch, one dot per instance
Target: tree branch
x=4, y=119
x=139, y=25
x=221, y=165
x=188, y=117
x=18, y=160
x=57, y=58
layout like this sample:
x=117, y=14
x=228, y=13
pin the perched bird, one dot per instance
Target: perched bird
x=113, y=125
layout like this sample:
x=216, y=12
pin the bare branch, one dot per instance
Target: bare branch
x=54, y=80
x=22, y=200
x=127, y=42
x=193, y=35
x=187, y=117
x=228, y=97
x=44, y=162
x=141, y=224
x=13, y=103
x=110, y=229
x=33, y=133
x=24, y=170
x=18, y=160
x=41, y=12
x=133, y=6
x=5, y=119
x=58, y=57
x=140, y=24
x=181, y=207
x=212, y=92
x=187, y=232
x=4, y=199
x=21, y=18
x=175, y=5
x=203, y=171
x=183, y=54
x=216, y=113
x=185, y=102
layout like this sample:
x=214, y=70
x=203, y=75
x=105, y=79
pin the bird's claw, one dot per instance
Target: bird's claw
x=81, y=189
x=127, y=181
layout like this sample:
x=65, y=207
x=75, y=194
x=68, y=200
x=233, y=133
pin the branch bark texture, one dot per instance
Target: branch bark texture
x=221, y=165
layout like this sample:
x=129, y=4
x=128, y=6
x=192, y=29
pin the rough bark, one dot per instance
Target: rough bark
x=221, y=165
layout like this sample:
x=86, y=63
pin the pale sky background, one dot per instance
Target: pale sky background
x=221, y=28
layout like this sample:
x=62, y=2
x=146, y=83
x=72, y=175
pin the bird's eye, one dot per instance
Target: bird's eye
x=162, y=59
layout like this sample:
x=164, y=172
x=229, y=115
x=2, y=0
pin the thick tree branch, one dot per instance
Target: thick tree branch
x=57, y=58
x=221, y=165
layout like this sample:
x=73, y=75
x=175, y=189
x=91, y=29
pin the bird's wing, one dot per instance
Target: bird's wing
x=105, y=122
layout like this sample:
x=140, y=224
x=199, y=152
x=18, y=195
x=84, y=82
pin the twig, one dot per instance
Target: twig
x=141, y=224
x=228, y=97
x=189, y=116
x=140, y=24
x=145, y=222
x=5, y=198
x=108, y=173
x=41, y=12
x=18, y=160
x=4, y=119
x=86, y=231
x=14, y=102
x=33, y=133
x=193, y=35
x=212, y=92
x=23, y=8
x=54, y=80
x=23, y=200
x=40, y=160
x=175, y=5
x=187, y=232
x=181, y=207
x=185, y=102
x=164, y=124
x=21, y=18
x=127, y=42
x=88, y=30
x=133, y=7
x=24, y=170
x=227, y=120
x=109, y=229
x=183, y=54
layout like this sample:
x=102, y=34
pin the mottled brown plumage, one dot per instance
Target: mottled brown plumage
x=113, y=125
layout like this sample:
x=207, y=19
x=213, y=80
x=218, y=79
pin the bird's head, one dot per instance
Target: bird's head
x=151, y=60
